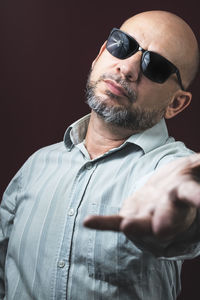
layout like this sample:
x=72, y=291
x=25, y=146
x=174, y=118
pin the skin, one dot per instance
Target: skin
x=174, y=40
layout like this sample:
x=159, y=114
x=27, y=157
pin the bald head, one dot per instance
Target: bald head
x=169, y=35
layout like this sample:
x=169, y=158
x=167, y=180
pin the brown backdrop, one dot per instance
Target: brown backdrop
x=46, y=49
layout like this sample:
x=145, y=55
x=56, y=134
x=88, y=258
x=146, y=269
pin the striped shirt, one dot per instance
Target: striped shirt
x=46, y=253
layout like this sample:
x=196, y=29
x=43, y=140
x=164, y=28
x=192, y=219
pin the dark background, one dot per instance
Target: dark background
x=46, y=49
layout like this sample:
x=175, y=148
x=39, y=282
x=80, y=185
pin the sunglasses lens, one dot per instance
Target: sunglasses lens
x=156, y=67
x=120, y=45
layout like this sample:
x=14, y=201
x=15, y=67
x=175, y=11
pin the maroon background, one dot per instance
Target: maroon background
x=46, y=49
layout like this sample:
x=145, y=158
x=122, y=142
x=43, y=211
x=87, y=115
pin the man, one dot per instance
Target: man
x=139, y=77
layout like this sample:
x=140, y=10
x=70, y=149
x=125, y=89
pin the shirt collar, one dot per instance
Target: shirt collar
x=76, y=132
x=152, y=137
x=147, y=140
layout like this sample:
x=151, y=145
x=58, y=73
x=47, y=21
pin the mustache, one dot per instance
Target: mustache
x=130, y=93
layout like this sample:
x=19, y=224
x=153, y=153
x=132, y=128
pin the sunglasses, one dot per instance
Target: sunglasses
x=153, y=65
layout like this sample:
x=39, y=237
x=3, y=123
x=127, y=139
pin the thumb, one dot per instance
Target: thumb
x=103, y=222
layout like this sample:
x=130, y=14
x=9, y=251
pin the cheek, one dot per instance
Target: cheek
x=105, y=63
x=151, y=95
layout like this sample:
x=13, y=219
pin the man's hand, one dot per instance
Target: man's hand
x=164, y=207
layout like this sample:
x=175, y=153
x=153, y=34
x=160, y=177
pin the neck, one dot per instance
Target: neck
x=101, y=136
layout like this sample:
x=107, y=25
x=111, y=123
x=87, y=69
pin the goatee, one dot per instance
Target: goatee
x=126, y=116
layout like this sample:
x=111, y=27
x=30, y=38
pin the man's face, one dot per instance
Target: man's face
x=119, y=92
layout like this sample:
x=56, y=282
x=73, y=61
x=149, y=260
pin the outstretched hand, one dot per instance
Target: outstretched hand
x=164, y=207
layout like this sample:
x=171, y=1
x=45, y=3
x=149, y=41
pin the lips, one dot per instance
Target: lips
x=115, y=88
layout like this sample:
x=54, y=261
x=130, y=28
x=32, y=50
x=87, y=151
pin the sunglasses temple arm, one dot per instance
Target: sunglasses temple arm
x=179, y=80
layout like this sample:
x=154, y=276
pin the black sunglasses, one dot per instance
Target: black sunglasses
x=154, y=66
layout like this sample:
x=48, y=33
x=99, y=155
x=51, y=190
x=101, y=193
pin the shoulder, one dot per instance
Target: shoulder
x=172, y=150
x=45, y=152
x=44, y=159
x=160, y=156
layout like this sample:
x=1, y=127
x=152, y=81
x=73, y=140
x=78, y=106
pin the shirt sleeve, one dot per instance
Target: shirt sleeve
x=7, y=213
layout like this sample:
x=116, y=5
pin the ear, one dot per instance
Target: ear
x=179, y=102
x=103, y=47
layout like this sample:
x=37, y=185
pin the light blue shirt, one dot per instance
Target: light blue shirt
x=49, y=255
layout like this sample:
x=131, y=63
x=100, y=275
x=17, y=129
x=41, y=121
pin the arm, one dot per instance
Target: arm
x=164, y=208
x=7, y=211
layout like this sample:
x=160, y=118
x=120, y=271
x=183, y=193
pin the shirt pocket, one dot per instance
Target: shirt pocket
x=113, y=258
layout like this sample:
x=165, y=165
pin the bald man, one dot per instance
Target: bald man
x=140, y=77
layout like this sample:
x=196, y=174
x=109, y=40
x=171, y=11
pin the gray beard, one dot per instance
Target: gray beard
x=134, y=119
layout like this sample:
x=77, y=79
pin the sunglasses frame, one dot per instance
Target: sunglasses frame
x=144, y=52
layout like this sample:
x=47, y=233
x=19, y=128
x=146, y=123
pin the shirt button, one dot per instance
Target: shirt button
x=88, y=166
x=61, y=264
x=71, y=212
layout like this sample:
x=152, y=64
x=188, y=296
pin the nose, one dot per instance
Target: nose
x=129, y=68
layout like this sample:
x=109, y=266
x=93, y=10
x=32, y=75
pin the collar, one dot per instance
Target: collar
x=147, y=140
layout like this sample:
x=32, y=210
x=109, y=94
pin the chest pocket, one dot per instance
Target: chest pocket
x=111, y=257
